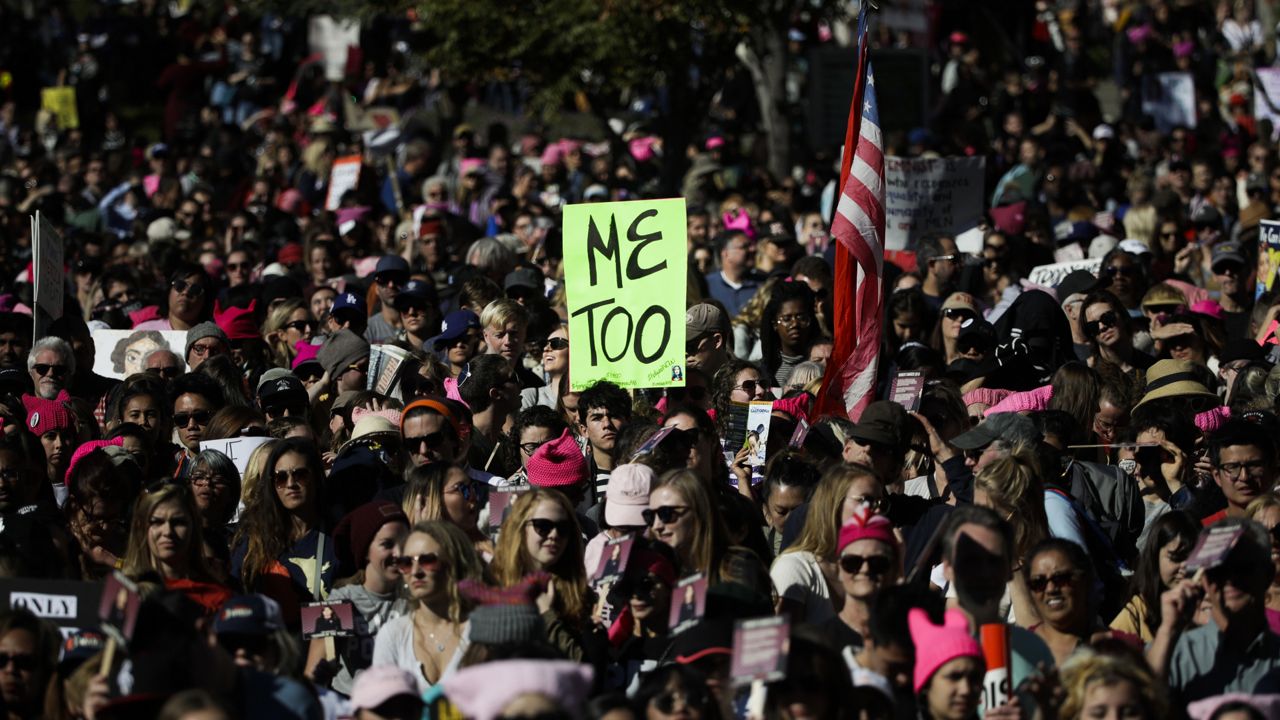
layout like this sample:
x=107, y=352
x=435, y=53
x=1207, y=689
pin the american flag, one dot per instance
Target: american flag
x=858, y=227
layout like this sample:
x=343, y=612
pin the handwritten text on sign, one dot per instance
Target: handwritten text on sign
x=924, y=196
x=625, y=267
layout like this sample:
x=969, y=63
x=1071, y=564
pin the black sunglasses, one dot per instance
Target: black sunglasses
x=43, y=369
x=1126, y=270
x=543, y=527
x=201, y=417
x=667, y=514
x=1064, y=579
x=302, y=326
x=21, y=661
x=557, y=343
x=876, y=564
x=433, y=441
x=166, y=372
x=183, y=287
x=1109, y=319
x=959, y=314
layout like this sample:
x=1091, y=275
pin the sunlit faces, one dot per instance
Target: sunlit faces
x=428, y=438
x=461, y=499
x=423, y=579
x=191, y=415
x=294, y=481
x=168, y=533
x=546, y=533
x=673, y=524
x=384, y=549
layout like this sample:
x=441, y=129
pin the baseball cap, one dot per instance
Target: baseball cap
x=279, y=386
x=702, y=319
x=884, y=422
x=1226, y=252
x=378, y=684
x=523, y=279
x=1077, y=282
x=708, y=636
x=976, y=333
x=455, y=325
x=349, y=302
x=1010, y=427
x=391, y=264
x=248, y=615
x=414, y=292
x=627, y=495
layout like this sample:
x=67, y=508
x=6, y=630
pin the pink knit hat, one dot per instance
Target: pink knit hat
x=306, y=353
x=558, y=463
x=937, y=645
x=986, y=396
x=867, y=525
x=45, y=415
x=87, y=448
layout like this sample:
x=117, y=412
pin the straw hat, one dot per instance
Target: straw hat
x=1174, y=378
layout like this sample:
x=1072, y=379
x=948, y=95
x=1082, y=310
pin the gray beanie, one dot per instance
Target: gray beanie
x=340, y=350
x=502, y=624
x=206, y=329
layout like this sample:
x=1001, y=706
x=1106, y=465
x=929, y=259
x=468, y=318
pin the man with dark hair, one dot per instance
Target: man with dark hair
x=698, y=223
x=603, y=409
x=1242, y=455
x=735, y=282
x=532, y=428
x=493, y=393
x=887, y=656
x=940, y=261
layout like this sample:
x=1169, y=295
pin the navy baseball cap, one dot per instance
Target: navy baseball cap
x=455, y=325
x=414, y=292
x=349, y=301
x=248, y=615
x=78, y=647
x=391, y=263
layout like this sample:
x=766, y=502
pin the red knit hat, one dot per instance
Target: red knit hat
x=45, y=415
x=355, y=532
x=237, y=323
x=866, y=525
x=559, y=463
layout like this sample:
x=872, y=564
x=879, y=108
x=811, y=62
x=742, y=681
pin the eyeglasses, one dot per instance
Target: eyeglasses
x=208, y=479
x=182, y=287
x=747, y=386
x=302, y=326
x=667, y=514
x=953, y=259
x=959, y=314
x=1253, y=468
x=557, y=344
x=530, y=448
x=875, y=503
x=183, y=419
x=433, y=441
x=426, y=561
x=1062, y=580
x=543, y=527
x=469, y=491
x=1108, y=320
x=793, y=320
x=43, y=369
x=300, y=475
x=1126, y=270
x=876, y=564
x=203, y=349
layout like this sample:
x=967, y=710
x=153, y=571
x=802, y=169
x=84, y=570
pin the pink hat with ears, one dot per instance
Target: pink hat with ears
x=937, y=645
x=87, y=448
x=865, y=524
x=307, y=353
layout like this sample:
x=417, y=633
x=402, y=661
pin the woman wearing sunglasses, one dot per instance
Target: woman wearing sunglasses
x=676, y=692
x=286, y=325
x=959, y=309
x=1061, y=580
x=737, y=381
x=1106, y=325
x=165, y=538
x=187, y=302
x=441, y=491
x=282, y=549
x=555, y=367
x=430, y=641
x=684, y=515
x=870, y=560
x=806, y=574
x=541, y=534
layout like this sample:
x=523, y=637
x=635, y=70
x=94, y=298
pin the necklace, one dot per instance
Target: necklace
x=439, y=645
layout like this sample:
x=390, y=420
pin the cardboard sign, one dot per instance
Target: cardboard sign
x=613, y=561
x=925, y=196
x=1213, y=547
x=995, y=647
x=121, y=353
x=337, y=621
x=625, y=271
x=688, y=603
x=343, y=176
x=760, y=649
x=1050, y=275
x=69, y=604
x=759, y=416
x=1170, y=99
x=118, y=607
x=237, y=449
x=1268, y=256
x=906, y=388
x=50, y=273
x=61, y=101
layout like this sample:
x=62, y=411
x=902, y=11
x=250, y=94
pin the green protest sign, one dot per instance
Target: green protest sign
x=625, y=266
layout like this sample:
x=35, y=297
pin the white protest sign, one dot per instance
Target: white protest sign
x=344, y=176
x=120, y=353
x=333, y=39
x=930, y=195
x=238, y=449
x=1266, y=98
x=47, y=246
x=1050, y=275
x=1170, y=98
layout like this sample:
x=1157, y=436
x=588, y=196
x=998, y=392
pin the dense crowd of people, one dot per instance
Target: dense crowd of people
x=471, y=534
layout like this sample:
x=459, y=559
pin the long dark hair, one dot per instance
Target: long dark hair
x=182, y=271
x=265, y=526
x=1173, y=525
x=770, y=345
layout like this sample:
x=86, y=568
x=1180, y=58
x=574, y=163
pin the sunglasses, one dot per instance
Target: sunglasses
x=21, y=661
x=667, y=514
x=469, y=491
x=1108, y=320
x=391, y=279
x=300, y=474
x=1126, y=270
x=302, y=326
x=311, y=374
x=543, y=527
x=876, y=564
x=1064, y=579
x=166, y=372
x=426, y=561
x=748, y=387
x=182, y=287
x=44, y=369
x=433, y=441
x=557, y=344
x=201, y=417
x=691, y=347
x=959, y=314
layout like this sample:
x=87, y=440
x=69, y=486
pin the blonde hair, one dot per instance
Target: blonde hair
x=1015, y=492
x=137, y=557
x=1088, y=668
x=460, y=560
x=500, y=312
x=1261, y=505
x=253, y=471
x=281, y=352
x=511, y=560
x=821, y=532
x=424, y=487
x=752, y=314
x=711, y=539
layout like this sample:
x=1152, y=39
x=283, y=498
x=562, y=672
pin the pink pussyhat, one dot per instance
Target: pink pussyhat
x=864, y=524
x=937, y=645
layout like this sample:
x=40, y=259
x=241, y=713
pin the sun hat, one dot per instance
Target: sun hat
x=1174, y=378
